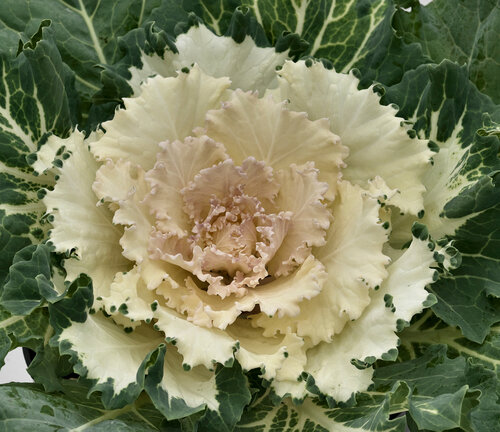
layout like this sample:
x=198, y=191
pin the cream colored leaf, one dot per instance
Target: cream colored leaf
x=302, y=195
x=281, y=297
x=248, y=66
x=373, y=334
x=195, y=387
x=268, y=354
x=378, y=143
x=354, y=263
x=108, y=352
x=167, y=109
x=128, y=289
x=268, y=131
x=80, y=225
x=123, y=184
x=198, y=345
x=177, y=165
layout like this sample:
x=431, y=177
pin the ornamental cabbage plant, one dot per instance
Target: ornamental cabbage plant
x=250, y=215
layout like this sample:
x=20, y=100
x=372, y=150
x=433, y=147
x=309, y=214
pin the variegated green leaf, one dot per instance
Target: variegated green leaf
x=36, y=98
x=16, y=330
x=463, y=190
x=27, y=406
x=371, y=413
x=439, y=29
x=86, y=31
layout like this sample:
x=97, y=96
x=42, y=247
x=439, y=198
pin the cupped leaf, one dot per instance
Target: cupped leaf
x=178, y=392
x=111, y=357
x=29, y=282
x=375, y=137
x=195, y=91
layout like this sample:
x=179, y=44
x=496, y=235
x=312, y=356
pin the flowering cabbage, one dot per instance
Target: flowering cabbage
x=224, y=235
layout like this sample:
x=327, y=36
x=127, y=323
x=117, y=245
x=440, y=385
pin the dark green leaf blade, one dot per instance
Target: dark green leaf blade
x=447, y=109
x=16, y=330
x=36, y=98
x=463, y=31
x=86, y=31
x=27, y=406
x=472, y=364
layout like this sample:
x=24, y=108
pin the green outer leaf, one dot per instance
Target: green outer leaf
x=36, y=98
x=49, y=367
x=447, y=108
x=86, y=31
x=464, y=31
x=171, y=408
x=429, y=329
x=481, y=369
x=233, y=395
x=27, y=407
x=469, y=296
x=29, y=277
x=16, y=330
x=336, y=30
x=386, y=56
x=114, y=77
x=371, y=413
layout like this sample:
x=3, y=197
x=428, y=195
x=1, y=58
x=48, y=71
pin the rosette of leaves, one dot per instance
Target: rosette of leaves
x=218, y=231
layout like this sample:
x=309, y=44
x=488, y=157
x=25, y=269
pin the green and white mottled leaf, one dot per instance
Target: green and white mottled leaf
x=16, y=330
x=36, y=98
x=446, y=392
x=86, y=31
x=336, y=30
x=371, y=413
x=463, y=191
x=429, y=329
x=28, y=407
x=463, y=31
x=111, y=357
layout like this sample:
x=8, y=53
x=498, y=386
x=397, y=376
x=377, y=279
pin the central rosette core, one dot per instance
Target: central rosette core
x=241, y=225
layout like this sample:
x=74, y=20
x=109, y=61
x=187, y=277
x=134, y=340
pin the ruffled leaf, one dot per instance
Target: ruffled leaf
x=354, y=264
x=377, y=142
x=374, y=331
x=463, y=193
x=79, y=224
x=248, y=66
x=134, y=133
x=262, y=128
x=111, y=357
